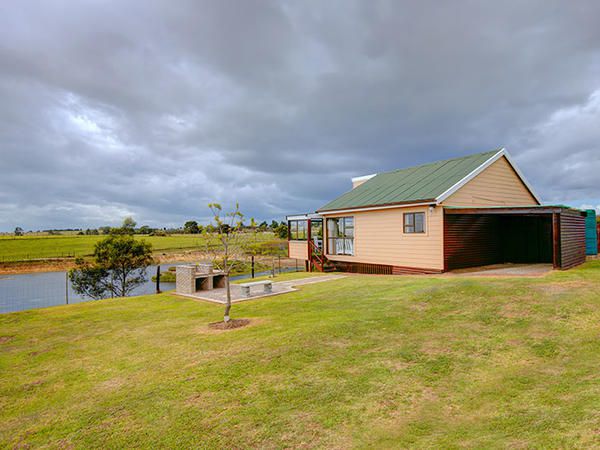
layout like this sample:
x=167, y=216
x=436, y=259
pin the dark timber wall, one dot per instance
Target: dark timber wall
x=472, y=239
x=572, y=240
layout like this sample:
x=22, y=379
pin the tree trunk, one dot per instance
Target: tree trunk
x=228, y=303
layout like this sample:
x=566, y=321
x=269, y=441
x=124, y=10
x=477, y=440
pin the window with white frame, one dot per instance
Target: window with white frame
x=340, y=236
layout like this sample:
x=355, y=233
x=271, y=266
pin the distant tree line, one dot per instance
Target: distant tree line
x=129, y=227
x=279, y=228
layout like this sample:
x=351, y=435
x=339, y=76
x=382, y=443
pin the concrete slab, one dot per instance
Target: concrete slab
x=505, y=270
x=280, y=287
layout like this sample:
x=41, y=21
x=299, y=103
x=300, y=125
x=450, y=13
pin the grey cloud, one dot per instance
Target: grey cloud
x=156, y=108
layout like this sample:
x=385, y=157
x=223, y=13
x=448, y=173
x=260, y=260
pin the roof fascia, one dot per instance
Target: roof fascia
x=452, y=189
x=520, y=174
x=375, y=208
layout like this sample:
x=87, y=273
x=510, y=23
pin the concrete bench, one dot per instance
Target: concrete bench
x=267, y=286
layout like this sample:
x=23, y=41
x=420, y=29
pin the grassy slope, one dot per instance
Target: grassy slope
x=363, y=361
x=33, y=247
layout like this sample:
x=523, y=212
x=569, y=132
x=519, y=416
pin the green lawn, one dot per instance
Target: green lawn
x=40, y=247
x=366, y=361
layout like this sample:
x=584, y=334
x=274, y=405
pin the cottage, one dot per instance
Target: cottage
x=462, y=212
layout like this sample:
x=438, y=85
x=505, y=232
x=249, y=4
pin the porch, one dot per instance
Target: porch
x=305, y=241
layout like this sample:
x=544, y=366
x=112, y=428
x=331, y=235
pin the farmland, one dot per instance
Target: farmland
x=25, y=248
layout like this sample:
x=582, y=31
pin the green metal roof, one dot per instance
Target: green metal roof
x=412, y=185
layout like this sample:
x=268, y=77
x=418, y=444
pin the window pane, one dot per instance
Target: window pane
x=419, y=223
x=332, y=228
x=293, y=230
x=331, y=246
x=339, y=246
x=409, y=219
x=349, y=246
x=302, y=229
x=349, y=232
x=349, y=227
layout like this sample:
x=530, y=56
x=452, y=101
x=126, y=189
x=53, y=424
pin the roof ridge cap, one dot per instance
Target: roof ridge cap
x=441, y=161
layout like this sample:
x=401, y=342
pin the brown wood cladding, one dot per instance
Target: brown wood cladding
x=572, y=240
x=354, y=267
x=471, y=240
x=380, y=269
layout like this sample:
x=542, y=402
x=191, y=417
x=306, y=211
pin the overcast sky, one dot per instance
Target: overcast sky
x=156, y=108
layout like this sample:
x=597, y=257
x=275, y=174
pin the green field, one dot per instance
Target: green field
x=26, y=248
x=361, y=362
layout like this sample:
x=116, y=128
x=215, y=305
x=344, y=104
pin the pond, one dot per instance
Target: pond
x=38, y=290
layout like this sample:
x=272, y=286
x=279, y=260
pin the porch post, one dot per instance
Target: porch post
x=555, y=240
x=308, y=242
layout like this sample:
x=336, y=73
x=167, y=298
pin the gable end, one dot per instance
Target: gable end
x=497, y=183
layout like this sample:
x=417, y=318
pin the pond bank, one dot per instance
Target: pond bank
x=20, y=292
x=66, y=264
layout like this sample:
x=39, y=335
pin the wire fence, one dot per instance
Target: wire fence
x=32, y=257
x=20, y=292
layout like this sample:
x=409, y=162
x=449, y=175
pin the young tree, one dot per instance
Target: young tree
x=253, y=224
x=274, y=225
x=228, y=228
x=90, y=280
x=120, y=263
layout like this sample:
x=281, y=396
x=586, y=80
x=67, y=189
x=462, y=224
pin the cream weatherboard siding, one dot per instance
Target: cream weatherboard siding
x=298, y=249
x=379, y=239
x=498, y=185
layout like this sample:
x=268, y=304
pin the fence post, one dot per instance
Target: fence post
x=273, y=267
x=279, y=258
x=252, y=266
x=158, y=279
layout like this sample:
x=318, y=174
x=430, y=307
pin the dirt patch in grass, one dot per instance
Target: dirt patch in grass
x=561, y=288
x=5, y=339
x=232, y=324
x=200, y=399
x=35, y=384
x=514, y=311
x=111, y=384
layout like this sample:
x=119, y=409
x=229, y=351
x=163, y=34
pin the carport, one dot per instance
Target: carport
x=479, y=236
